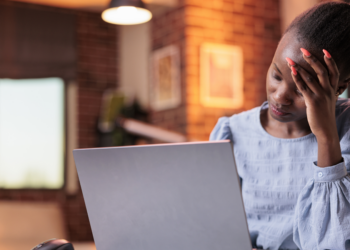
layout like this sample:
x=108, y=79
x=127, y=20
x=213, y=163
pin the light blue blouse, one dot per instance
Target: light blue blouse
x=290, y=202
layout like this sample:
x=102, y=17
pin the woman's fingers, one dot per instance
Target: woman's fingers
x=303, y=79
x=321, y=71
x=333, y=70
x=299, y=82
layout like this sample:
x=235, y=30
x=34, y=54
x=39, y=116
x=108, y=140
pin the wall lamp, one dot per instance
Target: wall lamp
x=126, y=12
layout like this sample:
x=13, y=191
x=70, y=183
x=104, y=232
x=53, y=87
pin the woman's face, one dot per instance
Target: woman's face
x=286, y=104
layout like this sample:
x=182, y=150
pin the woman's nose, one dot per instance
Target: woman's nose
x=282, y=95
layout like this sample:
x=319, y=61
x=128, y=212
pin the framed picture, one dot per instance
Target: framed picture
x=165, y=78
x=221, y=76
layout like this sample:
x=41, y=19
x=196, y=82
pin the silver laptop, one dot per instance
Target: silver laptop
x=164, y=197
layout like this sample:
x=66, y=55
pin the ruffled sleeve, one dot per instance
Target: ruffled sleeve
x=322, y=213
x=221, y=130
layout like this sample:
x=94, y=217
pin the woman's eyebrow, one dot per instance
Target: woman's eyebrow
x=277, y=68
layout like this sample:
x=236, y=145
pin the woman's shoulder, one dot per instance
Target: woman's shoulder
x=237, y=122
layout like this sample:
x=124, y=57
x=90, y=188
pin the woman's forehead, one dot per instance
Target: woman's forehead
x=289, y=46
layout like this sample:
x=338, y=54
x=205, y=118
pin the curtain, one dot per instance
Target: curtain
x=36, y=42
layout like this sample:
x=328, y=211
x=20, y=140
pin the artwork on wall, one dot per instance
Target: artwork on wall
x=165, y=78
x=221, y=76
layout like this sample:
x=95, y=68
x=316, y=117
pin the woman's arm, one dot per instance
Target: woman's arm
x=320, y=97
x=322, y=213
x=221, y=130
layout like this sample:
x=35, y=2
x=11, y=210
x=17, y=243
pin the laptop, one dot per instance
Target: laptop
x=181, y=196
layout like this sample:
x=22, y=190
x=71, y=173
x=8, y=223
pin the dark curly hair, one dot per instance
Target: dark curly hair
x=326, y=26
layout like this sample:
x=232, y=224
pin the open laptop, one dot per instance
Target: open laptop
x=182, y=196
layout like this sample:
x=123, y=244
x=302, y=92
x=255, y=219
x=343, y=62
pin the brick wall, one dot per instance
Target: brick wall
x=168, y=29
x=96, y=43
x=96, y=72
x=253, y=25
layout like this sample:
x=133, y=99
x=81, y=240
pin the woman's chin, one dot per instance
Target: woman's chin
x=281, y=117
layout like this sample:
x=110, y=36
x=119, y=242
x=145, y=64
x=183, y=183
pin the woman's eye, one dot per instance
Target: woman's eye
x=298, y=92
x=277, y=77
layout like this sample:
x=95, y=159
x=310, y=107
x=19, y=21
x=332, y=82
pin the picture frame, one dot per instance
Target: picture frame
x=165, y=87
x=221, y=76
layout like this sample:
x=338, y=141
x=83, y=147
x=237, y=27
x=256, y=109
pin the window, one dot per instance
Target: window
x=32, y=134
x=345, y=94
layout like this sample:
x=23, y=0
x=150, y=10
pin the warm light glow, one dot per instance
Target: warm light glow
x=126, y=15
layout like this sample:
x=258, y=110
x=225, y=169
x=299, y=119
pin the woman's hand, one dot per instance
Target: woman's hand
x=320, y=97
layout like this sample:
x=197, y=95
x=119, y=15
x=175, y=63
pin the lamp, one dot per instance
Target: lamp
x=126, y=12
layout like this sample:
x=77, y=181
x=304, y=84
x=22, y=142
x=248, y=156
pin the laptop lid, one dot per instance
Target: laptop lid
x=182, y=196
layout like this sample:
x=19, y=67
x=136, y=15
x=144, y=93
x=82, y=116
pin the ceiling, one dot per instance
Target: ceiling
x=156, y=6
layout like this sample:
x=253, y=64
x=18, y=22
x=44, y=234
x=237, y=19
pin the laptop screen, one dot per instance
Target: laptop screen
x=168, y=197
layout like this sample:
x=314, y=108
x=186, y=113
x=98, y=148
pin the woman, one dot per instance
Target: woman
x=293, y=152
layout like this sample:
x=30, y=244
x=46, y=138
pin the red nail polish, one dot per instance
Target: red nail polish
x=290, y=61
x=305, y=52
x=294, y=71
x=327, y=54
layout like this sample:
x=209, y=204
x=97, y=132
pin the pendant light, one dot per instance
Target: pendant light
x=126, y=12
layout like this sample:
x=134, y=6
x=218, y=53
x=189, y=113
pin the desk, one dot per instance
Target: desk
x=83, y=245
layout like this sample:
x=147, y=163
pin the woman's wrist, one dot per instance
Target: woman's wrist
x=328, y=133
x=329, y=152
x=328, y=138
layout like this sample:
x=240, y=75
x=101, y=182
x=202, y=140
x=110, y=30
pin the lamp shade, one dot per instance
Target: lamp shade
x=126, y=12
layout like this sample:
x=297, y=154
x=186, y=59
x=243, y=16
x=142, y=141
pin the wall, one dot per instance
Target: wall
x=96, y=71
x=169, y=29
x=253, y=25
x=134, y=48
x=290, y=9
x=96, y=44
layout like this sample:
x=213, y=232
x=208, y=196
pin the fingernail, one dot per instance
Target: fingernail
x=305, y=52
x=327, y=54
x=294, y=71
x=290, y=61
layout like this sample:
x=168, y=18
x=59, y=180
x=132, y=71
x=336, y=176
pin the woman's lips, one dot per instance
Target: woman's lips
x=277, y=111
